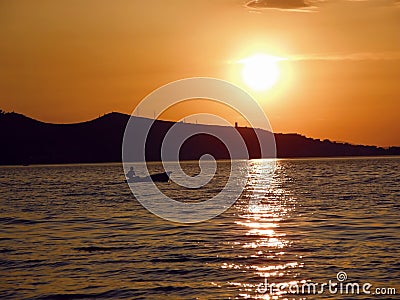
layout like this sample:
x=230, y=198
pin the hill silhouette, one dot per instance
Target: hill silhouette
x=28, y=141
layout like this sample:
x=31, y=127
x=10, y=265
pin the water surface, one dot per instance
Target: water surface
x=76, y=232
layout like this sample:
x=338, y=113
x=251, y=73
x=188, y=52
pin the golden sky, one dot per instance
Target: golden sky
x=72, y=60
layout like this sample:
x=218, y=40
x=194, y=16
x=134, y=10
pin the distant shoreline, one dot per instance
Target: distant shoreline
x=26, y=141
x=195, y=161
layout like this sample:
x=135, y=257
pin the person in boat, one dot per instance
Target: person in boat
x=130, y=174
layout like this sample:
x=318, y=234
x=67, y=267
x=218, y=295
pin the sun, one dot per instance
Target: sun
x=261, y=71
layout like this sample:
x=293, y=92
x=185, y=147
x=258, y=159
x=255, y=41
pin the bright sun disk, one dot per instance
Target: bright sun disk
x=260, y=72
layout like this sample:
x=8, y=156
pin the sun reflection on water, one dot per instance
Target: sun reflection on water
x=263, y=213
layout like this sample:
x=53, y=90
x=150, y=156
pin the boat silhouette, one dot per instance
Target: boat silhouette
x=158, y=177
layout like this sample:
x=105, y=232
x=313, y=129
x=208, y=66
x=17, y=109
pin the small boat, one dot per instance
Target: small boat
x=158, y=177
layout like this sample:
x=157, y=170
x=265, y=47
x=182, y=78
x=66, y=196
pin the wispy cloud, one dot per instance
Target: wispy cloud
x=293, y=5
x=352, y=56
x=306, y=5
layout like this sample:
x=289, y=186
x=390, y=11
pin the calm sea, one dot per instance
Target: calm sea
x=76, y=232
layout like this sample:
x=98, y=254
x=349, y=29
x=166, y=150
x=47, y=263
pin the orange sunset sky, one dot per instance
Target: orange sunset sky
x=339, y=70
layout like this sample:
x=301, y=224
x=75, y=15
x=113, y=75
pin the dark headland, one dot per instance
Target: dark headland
x=28, y=141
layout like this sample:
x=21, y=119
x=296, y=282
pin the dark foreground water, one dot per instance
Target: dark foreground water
x=76, y=232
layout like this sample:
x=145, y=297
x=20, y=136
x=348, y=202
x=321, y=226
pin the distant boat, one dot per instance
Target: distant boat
x=158, y=177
